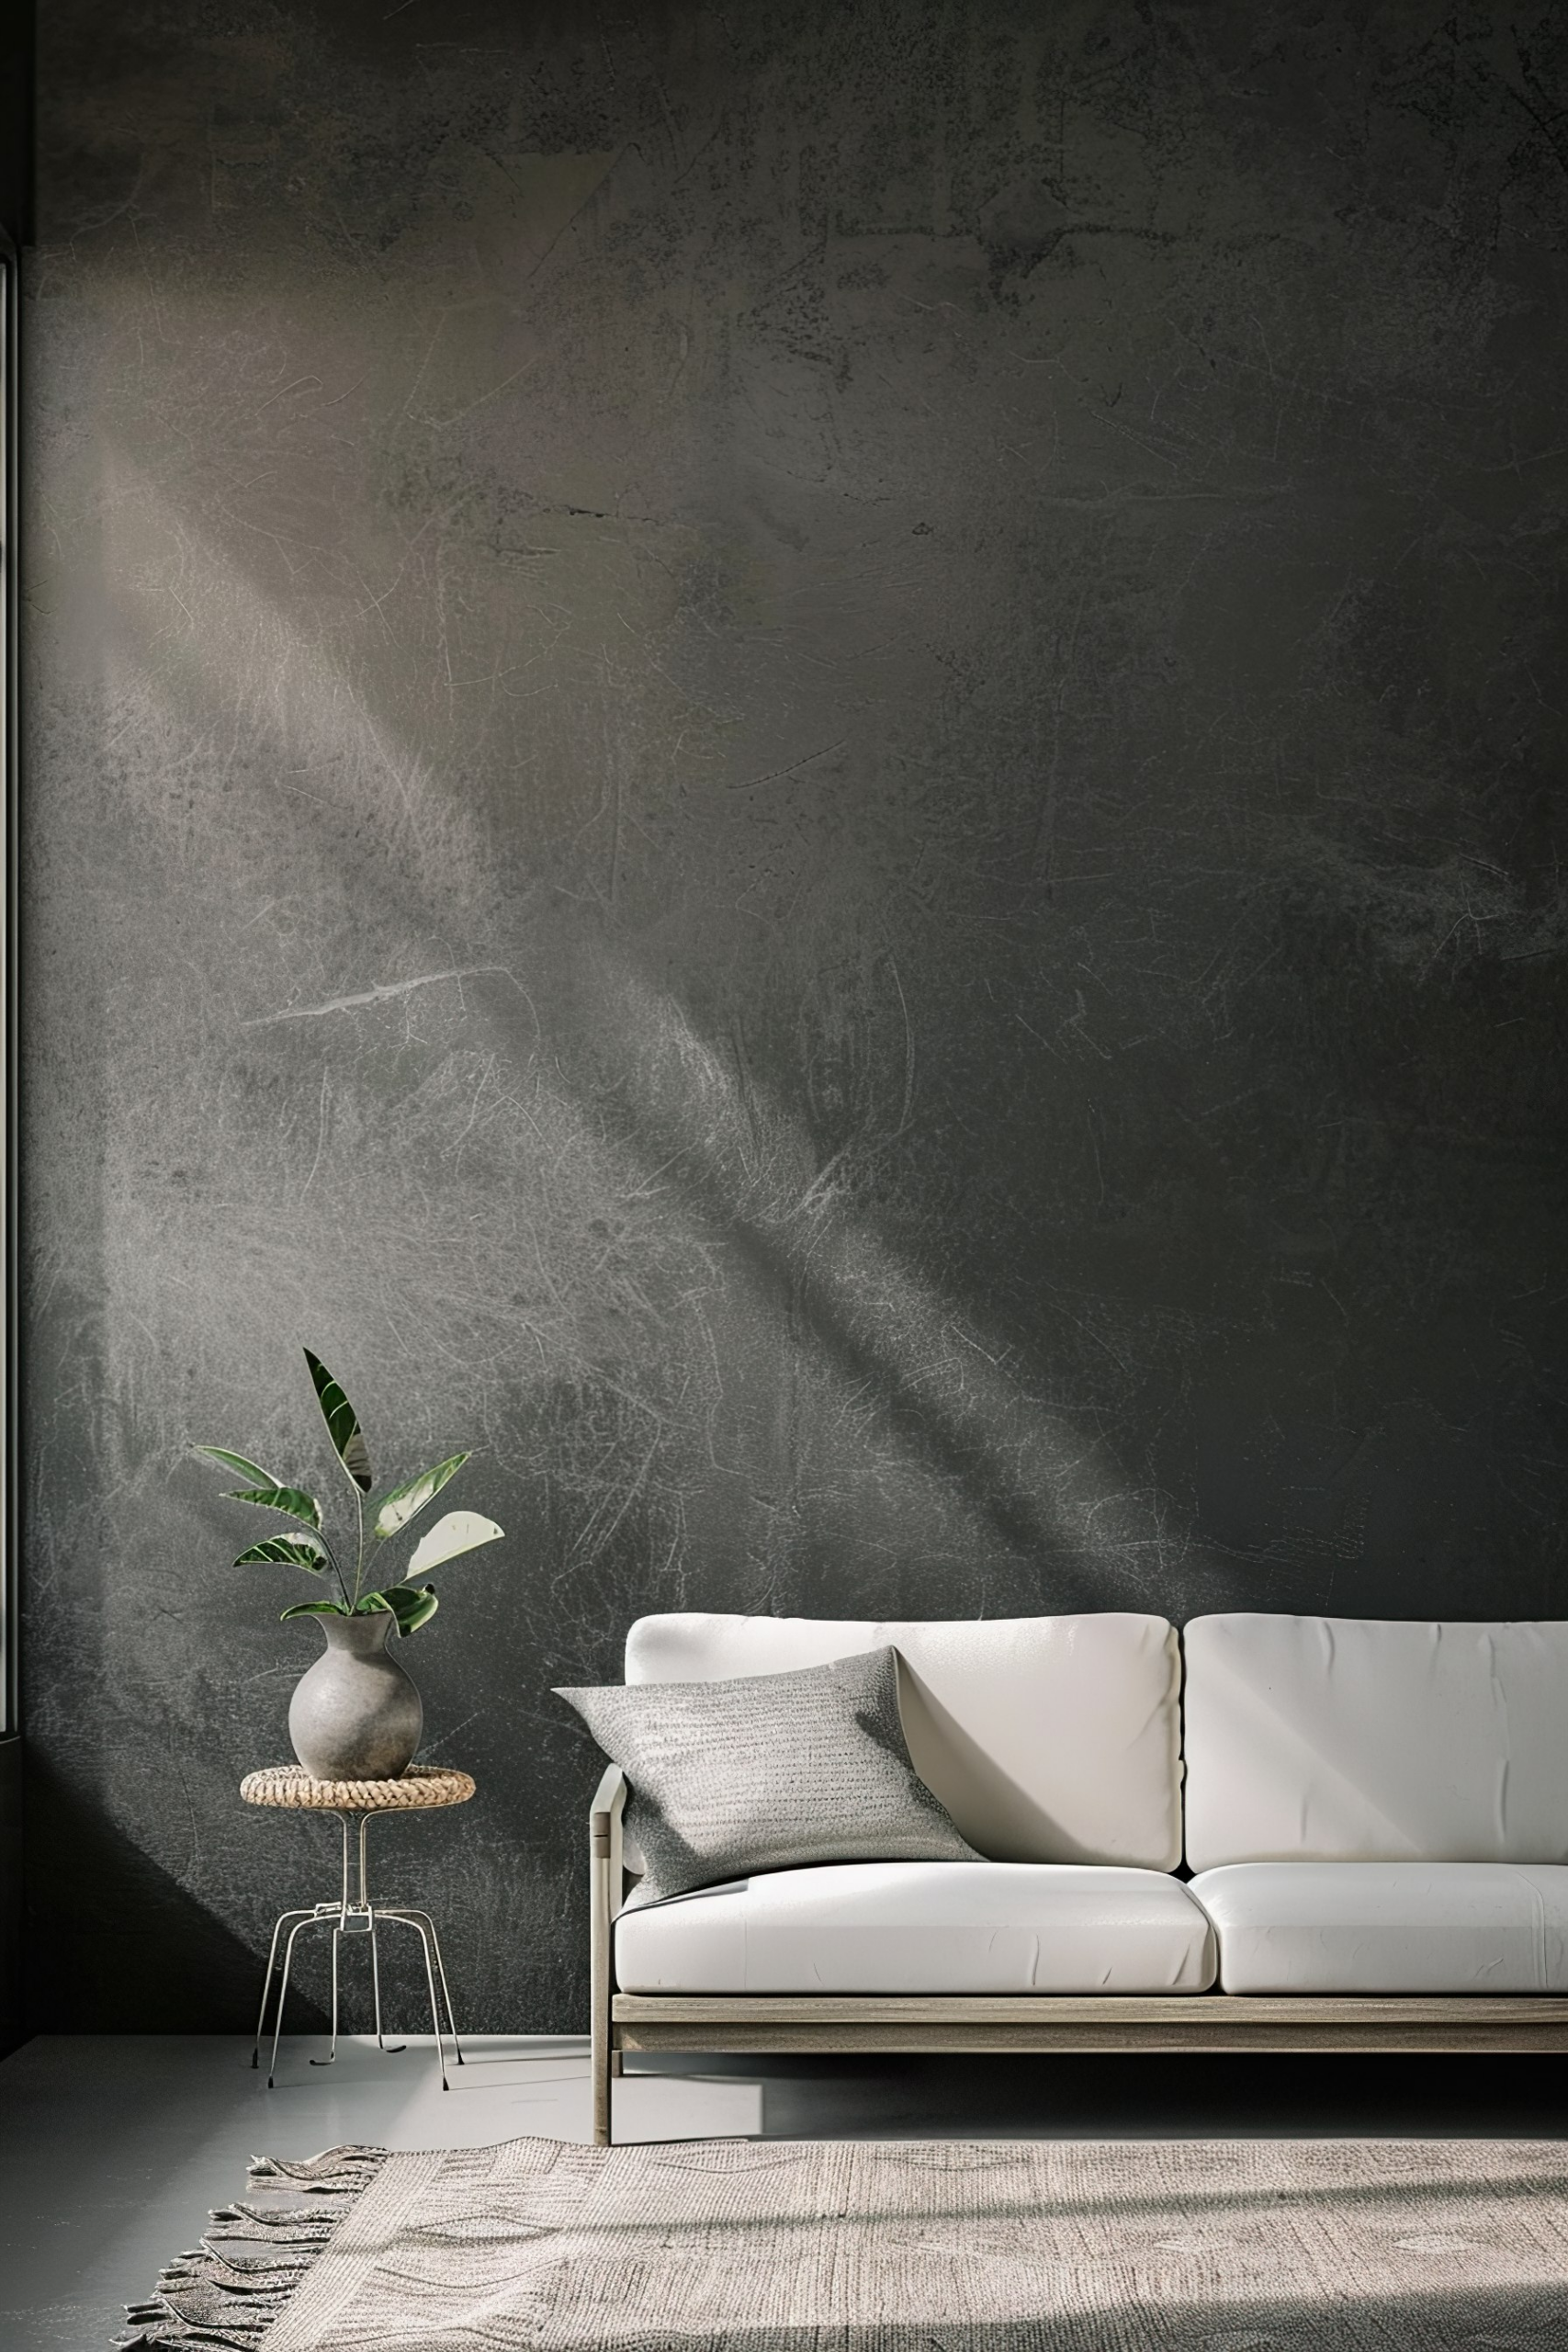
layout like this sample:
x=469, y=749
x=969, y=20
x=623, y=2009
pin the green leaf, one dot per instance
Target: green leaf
x=292, y=1501
x=343, y=1424
x=406, y=1502
x=286, y=1551
x=313, y=1608
x=411, y=1605
x=237, y=1462
x=460, y=1530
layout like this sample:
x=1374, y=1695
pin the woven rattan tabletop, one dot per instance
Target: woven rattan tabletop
x=421, y=1787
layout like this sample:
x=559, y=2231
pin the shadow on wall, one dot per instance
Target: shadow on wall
x=86, y=1914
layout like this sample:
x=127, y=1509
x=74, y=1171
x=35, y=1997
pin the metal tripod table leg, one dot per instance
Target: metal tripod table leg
x=441, y=1972
x=267, y=1980
x=354, y=1914
x=424, y=1927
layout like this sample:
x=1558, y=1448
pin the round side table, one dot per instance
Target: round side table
x=422, y=1788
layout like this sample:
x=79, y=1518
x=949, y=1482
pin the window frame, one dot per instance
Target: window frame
x=9, y=601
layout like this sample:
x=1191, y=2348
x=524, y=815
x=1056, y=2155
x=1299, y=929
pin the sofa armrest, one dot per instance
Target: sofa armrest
x=606, y=1880
x=605, y=1819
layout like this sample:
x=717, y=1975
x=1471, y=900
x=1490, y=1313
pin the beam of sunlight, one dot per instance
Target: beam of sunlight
x=946, y=1398
x=1038, y=1469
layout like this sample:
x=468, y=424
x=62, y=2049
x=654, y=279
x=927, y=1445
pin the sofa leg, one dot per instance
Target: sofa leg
x=603, y=2065
x=605, y=1887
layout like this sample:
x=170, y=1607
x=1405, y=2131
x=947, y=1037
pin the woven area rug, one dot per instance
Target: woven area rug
x=885, y=2247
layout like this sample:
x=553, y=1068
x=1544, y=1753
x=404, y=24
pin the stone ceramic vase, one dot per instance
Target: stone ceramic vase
x=356, y=1715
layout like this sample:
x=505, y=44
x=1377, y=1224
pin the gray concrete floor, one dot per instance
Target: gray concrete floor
x=112, y=2148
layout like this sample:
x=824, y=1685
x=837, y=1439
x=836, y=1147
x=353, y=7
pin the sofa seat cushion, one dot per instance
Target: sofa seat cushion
x=1389, y=1926
x=923, y=1927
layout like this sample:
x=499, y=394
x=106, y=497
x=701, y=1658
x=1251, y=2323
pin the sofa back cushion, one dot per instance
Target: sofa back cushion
x=1048, y=1739
x=1350, y=1739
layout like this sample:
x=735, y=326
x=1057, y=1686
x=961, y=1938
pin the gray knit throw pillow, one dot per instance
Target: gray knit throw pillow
x=767, y=1772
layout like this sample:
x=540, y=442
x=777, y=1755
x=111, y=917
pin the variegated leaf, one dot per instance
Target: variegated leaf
x=460, y=1530
x=293, y=1501
x=343, y=1424
x=406, y=1502
x=286, y=1551
x=313, y=1608
x=412, y=1606
x=237, y=1463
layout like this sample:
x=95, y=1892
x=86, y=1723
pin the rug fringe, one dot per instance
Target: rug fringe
x=349, y=2167
x=226, y=2301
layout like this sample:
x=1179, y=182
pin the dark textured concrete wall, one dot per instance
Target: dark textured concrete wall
x=803, y=764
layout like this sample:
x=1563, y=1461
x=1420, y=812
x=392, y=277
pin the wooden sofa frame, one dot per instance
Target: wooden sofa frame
x=1011, y=2021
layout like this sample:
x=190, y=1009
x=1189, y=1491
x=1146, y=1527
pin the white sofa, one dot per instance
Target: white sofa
x=1375, y=1814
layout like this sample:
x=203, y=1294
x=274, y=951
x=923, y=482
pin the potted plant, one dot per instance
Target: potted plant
x=356, y=1715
